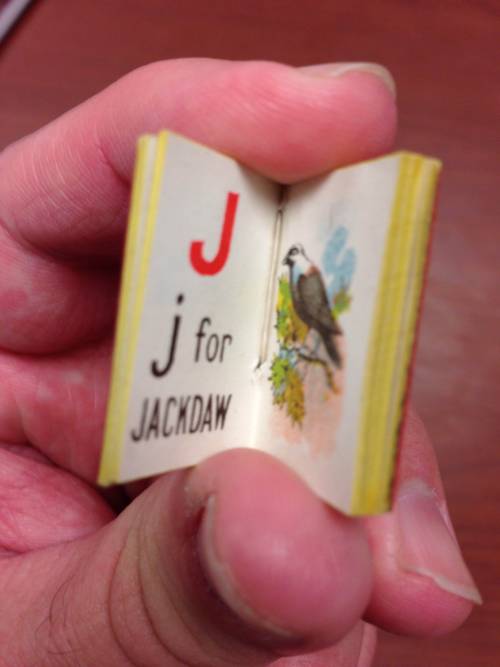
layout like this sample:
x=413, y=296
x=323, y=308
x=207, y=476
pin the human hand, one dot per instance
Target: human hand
x=234, y=562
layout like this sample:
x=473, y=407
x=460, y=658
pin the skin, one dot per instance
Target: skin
x=197, y=569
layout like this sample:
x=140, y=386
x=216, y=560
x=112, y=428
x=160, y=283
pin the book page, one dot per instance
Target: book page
x=331, y=251
x=188, y=390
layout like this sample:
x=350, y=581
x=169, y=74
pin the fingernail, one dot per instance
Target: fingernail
x=339, y=69
x=427, y=546
x=221, y=578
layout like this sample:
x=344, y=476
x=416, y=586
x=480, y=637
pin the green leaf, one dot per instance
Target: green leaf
x=279, y=369
x=294, y=397
x=341, y=302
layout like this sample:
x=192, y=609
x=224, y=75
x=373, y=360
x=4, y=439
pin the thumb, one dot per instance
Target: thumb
x=235, y=562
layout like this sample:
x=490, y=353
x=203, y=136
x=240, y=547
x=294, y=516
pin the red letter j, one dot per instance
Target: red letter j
x=213, y=266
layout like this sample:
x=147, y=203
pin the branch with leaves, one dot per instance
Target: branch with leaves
x=287, y=380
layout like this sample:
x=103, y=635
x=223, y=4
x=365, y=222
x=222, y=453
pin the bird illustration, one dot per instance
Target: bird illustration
x=310, y=300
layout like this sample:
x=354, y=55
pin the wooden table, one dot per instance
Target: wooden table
x=444, y=55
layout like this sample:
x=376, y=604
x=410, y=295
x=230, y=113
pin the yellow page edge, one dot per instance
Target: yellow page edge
x=375, y=460
x=131, y=302
x=384, y=331
x=391, y=324
x=423, y=207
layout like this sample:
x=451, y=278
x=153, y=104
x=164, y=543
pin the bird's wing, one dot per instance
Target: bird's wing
x=312, y=294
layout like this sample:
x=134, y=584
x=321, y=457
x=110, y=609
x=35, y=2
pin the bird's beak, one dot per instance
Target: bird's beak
x=286, y=260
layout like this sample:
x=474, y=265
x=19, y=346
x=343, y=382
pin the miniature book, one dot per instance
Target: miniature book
x=277, y=318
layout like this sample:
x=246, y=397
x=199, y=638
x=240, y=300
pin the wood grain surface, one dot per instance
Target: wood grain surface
x=445, y=58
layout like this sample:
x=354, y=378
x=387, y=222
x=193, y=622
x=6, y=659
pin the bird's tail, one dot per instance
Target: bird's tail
x=332, y=349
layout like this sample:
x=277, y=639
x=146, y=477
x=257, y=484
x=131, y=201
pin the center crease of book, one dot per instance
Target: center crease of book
x=271, y=285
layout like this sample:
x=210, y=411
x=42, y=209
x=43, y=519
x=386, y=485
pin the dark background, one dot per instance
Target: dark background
x=445, y=57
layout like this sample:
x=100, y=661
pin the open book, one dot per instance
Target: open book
x=283, y=319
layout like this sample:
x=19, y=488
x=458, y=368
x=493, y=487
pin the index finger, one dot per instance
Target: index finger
x=65, y=188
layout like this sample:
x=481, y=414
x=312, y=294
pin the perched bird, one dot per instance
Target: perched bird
x=310, y=300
